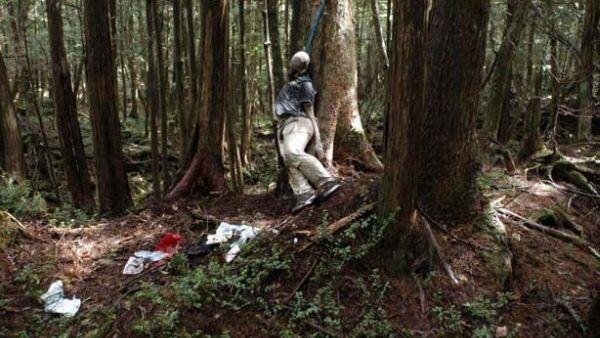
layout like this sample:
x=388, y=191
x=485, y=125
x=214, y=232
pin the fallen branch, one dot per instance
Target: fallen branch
x=22, y=228
x=573, y=314
x=302, y=281
x=579, y=242
x=439, y=253
x=339, y=224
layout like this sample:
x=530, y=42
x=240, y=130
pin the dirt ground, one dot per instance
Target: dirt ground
x=551, y=284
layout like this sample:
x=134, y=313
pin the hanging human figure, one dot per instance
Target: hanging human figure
x=297, y=129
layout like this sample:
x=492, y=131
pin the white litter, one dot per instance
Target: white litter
x=134, y=266
x=152, y=256
x=239, y=234
x=55, y=301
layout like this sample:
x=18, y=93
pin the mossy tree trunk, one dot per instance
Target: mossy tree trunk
x=456, y=52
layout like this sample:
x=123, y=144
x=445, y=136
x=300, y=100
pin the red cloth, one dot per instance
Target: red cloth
x=170, y=243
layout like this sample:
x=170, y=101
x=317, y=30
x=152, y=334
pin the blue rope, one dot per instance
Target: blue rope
x=313, y=31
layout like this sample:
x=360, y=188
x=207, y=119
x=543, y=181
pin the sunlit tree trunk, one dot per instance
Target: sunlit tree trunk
x=19, y=13
x=113, y=186
x=65, y=110
x=206, y=173
x=336, y=81
x=10, y=133
x=405, y=111
x=456, y=52
x=245, y=113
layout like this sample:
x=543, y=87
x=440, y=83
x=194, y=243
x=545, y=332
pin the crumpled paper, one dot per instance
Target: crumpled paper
x=55, y=301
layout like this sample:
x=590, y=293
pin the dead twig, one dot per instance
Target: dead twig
x=23, y=229
x=578, y=242
x=319, y=328
x=341, y=223
x=439, y=253
x=444, y=229
x=572, y=313
x=302, y=281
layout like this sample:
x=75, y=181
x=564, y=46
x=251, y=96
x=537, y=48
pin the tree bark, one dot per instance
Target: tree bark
x=586, y=70
x=501, y=80
x=153, y=100
x=301, y=15
x=178, y=78
x=10, y=132
x=113, y=186
x=278, y=67
x=162, y=94
x=192, y=65
x=379, y=32
x=65, y=109
x=19, y=12
x=206, y=173
x=456, y=47
x=244, y=112
x=532, y=139
x=336, y=80
x=405, y=110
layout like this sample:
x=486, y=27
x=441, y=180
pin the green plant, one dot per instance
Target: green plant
x=19, y=199
x=178, y=265
x=449, y=320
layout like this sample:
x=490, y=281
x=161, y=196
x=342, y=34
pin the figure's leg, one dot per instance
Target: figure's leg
x=296, y=136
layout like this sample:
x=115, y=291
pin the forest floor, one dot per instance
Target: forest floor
x=336, y=287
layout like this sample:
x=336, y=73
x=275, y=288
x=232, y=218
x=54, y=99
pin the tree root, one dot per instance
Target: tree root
x=578, y=242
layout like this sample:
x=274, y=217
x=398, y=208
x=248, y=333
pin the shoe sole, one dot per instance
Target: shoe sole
x=329, y=192
x=306, y=204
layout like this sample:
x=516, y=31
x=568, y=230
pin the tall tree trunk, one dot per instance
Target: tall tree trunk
x=162, y=94
x=19, y=12
x=192, y=65
x=178, y=78
x=532, y=139
x=131, y=67
x=206, y=173
x=113, y=186
x=379, y=32
x=590, y=34
x=336, y=80
x=405, y=110
x=301, y=14
x=456, y=47
x=245, y=114
x=10, y=133
x=153, y=100
x=65, y=109
x=278, y=68
x=501, y=80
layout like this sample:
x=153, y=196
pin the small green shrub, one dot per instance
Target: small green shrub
x=19, y=198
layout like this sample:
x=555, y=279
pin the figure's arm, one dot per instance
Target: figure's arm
x=318, y=145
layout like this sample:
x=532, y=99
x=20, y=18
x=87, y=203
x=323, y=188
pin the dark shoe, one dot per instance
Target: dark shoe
x=327, y=189
x=303, y=201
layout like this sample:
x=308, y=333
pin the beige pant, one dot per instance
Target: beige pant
x=304, y=170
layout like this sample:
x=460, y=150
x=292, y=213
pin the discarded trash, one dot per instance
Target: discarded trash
x=169, y=244
x=239, y=234
x=166, y=247
x=134, y=266
x=55, y=301
x=152, y=256
x=200, y=248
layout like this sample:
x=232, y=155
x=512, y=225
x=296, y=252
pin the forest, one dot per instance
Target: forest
x=299, y=168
